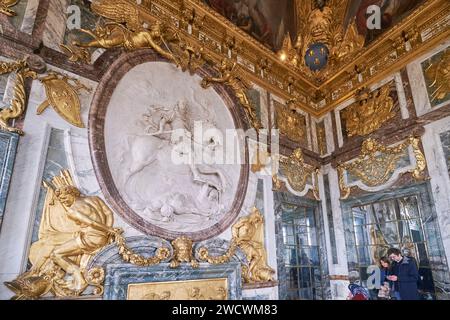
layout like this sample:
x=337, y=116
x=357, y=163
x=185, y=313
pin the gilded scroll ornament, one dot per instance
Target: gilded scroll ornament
x=377, y=163
x=438, y=74
x=248, y=235
x=73, y=228
x=371, y=111
x=290, y=123
x=63, y=97
x=6, y=5
x=183, y=252
x=17, y=107
x=231, y=76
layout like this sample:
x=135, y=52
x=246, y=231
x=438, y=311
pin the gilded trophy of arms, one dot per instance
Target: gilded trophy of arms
x=6, y=5
x=63, y=97
x=371, y=111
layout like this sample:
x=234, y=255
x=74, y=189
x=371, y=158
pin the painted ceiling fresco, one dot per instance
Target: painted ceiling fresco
x=269, y=21
x=266, y=20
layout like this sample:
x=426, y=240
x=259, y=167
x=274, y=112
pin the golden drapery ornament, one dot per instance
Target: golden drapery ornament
x=63, y=97
x=377, y=163
x=230, y=75
x=297, y=173
x=438, y=74
x=17, y=107
x=290, y=123
x=6, y=5
x=248, y=235
x=183, y=252
x=370, y=112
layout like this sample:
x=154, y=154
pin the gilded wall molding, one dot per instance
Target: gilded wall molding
x=376, y=164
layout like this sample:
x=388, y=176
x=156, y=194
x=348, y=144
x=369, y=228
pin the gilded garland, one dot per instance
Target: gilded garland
x=377, y=163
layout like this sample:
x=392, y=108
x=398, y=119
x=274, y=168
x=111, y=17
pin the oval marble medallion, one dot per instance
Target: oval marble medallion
x=159, y=142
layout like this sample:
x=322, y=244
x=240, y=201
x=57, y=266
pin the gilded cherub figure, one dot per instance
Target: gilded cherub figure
x=229, y=76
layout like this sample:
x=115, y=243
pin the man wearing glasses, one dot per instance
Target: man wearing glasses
x=404, y=275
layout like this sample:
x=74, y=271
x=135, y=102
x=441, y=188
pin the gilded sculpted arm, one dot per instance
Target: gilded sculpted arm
x=77, y=216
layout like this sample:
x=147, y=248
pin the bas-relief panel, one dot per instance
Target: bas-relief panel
x=150, y=166
x=437, y=77
x=8, y=147
x=267, y=21
x=445, y=140
x=371, y=112
x=210, y=289
x=392, y=12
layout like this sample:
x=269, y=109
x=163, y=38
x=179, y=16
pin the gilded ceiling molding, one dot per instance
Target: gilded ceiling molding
x=376, y=164
x=193, y=23
x=370, y=111
x=248, y=235
x=6, y=5
x=17, y=107
x=295, y=172
x=63, y=97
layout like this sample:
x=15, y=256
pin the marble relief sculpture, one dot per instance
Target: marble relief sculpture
x=167, y=158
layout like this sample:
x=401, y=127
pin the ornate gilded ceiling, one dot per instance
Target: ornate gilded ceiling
x=269, y=45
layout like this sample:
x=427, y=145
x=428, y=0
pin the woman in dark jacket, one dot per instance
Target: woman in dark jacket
x=404, y=275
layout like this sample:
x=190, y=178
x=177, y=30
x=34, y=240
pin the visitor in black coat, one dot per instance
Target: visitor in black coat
x=404, y=275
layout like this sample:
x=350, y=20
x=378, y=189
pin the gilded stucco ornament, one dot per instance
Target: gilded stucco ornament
x=438, y=75
x=297, y=172
x=230, y=75
x=6, y=5
x=248, y=235
x=73, y=228
x=63, y=97
x=183, y=252
x=17, y=107
x=291, y=123
x=377, y=163
x=370, y=112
